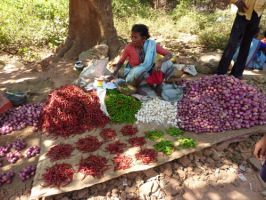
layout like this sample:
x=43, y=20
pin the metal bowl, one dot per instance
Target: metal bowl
x=79, y=66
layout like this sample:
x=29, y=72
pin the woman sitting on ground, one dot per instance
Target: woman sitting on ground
x=141, y=54
x=256, y=55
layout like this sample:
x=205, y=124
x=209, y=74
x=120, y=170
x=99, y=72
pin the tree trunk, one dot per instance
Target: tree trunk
x=90, y=23
x=164, y=4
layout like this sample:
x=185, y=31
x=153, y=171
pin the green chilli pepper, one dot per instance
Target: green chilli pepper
x=187, y=142
x=165, y=146
x=175, y=132
x=121, y=108
x=154, y=135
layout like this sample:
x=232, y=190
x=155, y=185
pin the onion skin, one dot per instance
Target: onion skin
x=20, y=117
x=220, y=103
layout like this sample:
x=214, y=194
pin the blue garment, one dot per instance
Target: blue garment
x=263, y=172
x=132, y=73
x=256, y=57
x=242, y=29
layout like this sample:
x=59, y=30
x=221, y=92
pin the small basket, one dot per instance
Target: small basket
x=126, y=89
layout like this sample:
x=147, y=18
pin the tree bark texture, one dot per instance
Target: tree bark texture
x=90, y=23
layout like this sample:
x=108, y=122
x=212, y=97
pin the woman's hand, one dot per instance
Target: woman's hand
x=110, y=78
x=240, y=4
x=114, y=74
x=158, y=66
x=260, y=148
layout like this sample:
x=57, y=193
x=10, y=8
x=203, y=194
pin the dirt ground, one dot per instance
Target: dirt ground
x=37, y=79
x=211, y=174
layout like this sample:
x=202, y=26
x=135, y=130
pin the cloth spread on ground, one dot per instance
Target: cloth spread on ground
x=204, y=141
x=172, y=92
x=169, y=92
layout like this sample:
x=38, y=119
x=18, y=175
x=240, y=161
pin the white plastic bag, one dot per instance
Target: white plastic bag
x=191, y=69
x=95, y=70
x=101, y=92
x=179, y=67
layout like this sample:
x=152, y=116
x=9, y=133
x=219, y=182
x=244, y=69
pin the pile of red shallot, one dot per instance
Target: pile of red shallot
x=70, y=110
x=20, y=117
x=220, y=103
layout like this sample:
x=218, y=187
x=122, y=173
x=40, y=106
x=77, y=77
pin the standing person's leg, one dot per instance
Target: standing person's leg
x=237, y=32
x=251, y=30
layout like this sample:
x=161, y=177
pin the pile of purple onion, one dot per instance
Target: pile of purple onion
x=13, y=157
x=20, y=117
x=220, y=103
x=32, y=151
x=11, y=151
x=19, y=144
x=27, y=172
x=5, y=149
x=6, y=177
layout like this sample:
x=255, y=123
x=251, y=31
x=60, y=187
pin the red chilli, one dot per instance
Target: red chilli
x=116, y=148
x=58, y=175
x=147, y=156
x=70, y=110
x=108, y=134
x=137, y=141
x=93, y=166
x=122, y=162
x=60, y=151
x=88, y=144
x=129, y=130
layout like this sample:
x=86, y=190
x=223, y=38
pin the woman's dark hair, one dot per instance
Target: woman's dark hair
x=264, y=33
x=142, y=29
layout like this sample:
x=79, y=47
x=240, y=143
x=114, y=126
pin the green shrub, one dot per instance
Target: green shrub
x=125, y=8
x=38, y=23
x=213, y=38
x=44, y=23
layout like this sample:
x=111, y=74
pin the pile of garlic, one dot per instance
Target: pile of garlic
x=158, y=111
